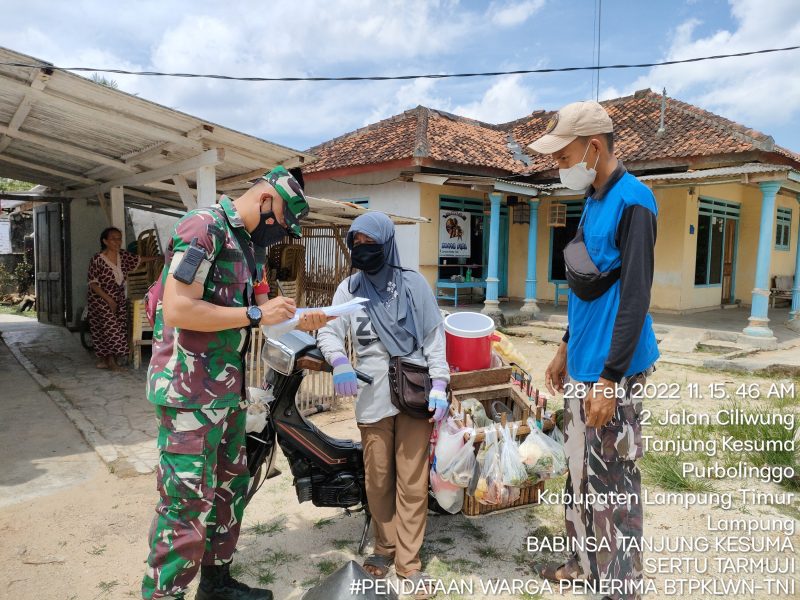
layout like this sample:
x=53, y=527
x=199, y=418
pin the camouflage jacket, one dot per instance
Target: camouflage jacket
x=194, y=369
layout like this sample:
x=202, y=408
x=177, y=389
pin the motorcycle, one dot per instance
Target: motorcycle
x=327, y=471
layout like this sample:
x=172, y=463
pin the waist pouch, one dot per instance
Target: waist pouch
x=410, y=386
x=584, y=279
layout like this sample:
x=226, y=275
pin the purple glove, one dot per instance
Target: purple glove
x=344, y=377
x=437, y=400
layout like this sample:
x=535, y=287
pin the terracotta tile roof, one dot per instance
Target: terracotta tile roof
x=691, y=134
x=463, y=141
x=421, y=133
x=386, y=140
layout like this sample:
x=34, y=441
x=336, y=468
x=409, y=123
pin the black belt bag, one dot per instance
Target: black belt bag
x=584, y=279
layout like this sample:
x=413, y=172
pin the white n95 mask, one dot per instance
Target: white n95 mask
x=579, y=177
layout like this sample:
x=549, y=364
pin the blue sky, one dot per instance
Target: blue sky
x=379, y=37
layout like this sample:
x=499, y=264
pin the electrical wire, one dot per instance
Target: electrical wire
x=599, y=27
x=403, y=77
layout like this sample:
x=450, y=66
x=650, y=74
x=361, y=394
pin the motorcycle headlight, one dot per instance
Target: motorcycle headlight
x=279, y=357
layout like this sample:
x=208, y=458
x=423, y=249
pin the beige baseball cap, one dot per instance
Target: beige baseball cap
x=572, y=121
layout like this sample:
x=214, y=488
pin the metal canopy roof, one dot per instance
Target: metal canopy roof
x=72, y=135
x=80, y=139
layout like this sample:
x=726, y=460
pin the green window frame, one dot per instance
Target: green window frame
x=783, y=229
x=710, y=237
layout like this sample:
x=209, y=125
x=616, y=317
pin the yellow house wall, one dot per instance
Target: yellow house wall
x=670, y=269
x=676, y=248
x=692, y=297
x=517, y=258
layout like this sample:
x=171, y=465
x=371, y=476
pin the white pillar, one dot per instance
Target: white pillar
x=206, y=186
x=531, y=307
x=759, y=320
x=491, y=305
x=118, y=210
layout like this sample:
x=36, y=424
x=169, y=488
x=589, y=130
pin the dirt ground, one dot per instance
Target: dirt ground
x=88, y=542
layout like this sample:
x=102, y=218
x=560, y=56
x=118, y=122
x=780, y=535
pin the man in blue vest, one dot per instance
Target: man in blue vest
x=607, y=353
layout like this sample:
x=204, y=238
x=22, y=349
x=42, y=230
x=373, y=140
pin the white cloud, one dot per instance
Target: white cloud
x=510, y=14
x=764, y=89
x=505, y=100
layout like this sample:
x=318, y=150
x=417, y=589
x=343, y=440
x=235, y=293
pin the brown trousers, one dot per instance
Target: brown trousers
x=397, y=470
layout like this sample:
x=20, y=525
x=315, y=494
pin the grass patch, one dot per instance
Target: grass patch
x=475, y=532
x=487, y=552
x=460, y=566
x=664, y=470
x=7, y=309
x=97, y=550
x=276, y=558
x=271, y=528
x=326, y=567
x=266, y=577
x=106, y=587
x=322, y=523
x=237, y=570
x=341, y=544
x=770, y=439
x=447, y=541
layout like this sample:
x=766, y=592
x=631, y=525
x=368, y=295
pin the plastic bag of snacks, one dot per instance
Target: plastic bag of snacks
x=514, y=472
x=461, y=470
x=449, y=440
x=542, y=455
x=449, y=496
x=475, y=409
x=490, y=489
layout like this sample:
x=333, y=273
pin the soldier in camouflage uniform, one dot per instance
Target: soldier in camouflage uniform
x=196, y=382
x=607, y=353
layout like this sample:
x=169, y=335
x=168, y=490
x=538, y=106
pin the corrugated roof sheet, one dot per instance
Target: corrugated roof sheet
x=76, y=133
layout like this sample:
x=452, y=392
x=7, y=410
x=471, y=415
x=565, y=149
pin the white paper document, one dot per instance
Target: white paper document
x=340, y=310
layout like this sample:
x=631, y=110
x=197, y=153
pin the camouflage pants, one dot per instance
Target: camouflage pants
x=602, y=461
x=202, y=479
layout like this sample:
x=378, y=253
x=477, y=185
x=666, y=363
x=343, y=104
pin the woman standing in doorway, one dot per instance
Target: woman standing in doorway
x=106, y=302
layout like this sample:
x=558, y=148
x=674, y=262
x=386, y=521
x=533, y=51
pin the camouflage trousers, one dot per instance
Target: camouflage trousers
x=202, y=481
x=601, y=465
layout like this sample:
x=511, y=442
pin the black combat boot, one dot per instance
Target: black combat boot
x=216, y=583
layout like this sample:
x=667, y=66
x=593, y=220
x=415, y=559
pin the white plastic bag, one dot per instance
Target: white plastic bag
x=514, y=472
x=490, y=489
x=257, y=409
x=449, y=440
x=542, y=455
x=461, y=470
x=450, y=497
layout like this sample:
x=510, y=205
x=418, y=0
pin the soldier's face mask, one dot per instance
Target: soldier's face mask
x=268, y=231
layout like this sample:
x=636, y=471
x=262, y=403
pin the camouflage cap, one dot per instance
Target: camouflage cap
x=293, y=198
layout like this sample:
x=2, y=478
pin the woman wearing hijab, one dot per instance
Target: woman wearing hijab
x=400, y=319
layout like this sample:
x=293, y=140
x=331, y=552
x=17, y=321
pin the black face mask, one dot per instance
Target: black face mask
x=266, y=233
x=368, y=257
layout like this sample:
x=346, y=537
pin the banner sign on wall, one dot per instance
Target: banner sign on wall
x=454, y=234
